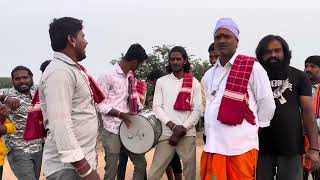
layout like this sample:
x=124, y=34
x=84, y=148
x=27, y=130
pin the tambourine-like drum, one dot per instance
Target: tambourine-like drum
x=143, y=134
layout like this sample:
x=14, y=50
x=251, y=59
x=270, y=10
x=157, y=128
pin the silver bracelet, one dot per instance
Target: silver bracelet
x=87, y=173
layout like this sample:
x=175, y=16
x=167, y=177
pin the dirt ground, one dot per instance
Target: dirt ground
x=8, y=174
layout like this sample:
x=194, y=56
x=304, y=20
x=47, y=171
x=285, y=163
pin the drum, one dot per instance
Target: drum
x=143, y=134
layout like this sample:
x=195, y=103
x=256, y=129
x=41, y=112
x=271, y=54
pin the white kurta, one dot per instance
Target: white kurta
x=235, y=140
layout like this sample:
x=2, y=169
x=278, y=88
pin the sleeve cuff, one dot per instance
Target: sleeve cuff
x=187, y=124
x=104, y=108
x=71, y=155
x=264, y=124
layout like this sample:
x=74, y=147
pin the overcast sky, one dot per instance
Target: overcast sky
x=112, y=25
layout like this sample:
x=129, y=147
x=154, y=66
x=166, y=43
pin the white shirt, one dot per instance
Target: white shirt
x=235, y=140
x=69, y=115
x=165, y=95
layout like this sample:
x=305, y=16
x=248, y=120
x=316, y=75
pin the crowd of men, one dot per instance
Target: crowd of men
x=261, y=115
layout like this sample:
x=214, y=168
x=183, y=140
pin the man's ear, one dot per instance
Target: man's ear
x=71, y=40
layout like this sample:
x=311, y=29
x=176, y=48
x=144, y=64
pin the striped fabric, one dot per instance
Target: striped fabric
x=97, y=94
x=34, y=124
x=183, y=101
x=137, y=93
x=234, y=104
x=141, y=89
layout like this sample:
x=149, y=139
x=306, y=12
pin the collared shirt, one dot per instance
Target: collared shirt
x=69, y=115
x=235, y=140
x=15, y=141
x=203, y=97
x=114, y=84
x=165, y=95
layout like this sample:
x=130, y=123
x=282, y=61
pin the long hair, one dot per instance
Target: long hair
x=183, y=52
x=263, y=44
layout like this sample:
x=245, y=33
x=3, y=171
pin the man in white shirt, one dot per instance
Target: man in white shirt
x=177, y=103
x=68, y=98
x=239, y=101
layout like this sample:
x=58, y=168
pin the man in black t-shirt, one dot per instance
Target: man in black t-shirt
x=281, y=144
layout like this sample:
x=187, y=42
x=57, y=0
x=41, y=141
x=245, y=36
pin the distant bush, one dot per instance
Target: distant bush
x=5, y=82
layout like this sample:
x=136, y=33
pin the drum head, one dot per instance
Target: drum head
x=140, y=137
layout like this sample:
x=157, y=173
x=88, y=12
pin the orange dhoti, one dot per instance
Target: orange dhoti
x=221, y=167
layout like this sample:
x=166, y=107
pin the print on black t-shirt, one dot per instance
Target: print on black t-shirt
x=285, y=133
x=280, y=87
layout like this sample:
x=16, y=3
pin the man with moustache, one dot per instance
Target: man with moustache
x=238, y=102
x=312, y=69
x=25, y=157
x=177, y=103
x=281, y=144
x=68, y=97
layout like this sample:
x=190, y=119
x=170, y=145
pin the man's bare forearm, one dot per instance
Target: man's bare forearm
x=311, y=128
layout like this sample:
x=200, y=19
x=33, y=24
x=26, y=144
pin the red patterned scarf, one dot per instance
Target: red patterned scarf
x=97, y=93
x=142, y=90
x=183, y=101
x=234, y=104
x=137, y=93
x=34, y=128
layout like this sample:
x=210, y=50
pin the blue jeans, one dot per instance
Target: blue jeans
x=25, y=165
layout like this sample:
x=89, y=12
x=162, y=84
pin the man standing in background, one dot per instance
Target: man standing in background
x=24, y=157
x=312, y=69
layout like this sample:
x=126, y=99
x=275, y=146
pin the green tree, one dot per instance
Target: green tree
x=199, y=67
x=157, y=62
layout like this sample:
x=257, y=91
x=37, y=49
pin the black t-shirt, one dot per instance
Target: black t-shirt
x=285, y=134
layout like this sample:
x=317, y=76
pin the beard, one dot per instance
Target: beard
x=81, y=54
x=81, y=57
x=276, y=69
x=25, y=88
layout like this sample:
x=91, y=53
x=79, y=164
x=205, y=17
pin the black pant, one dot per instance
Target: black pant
x=283, y=167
